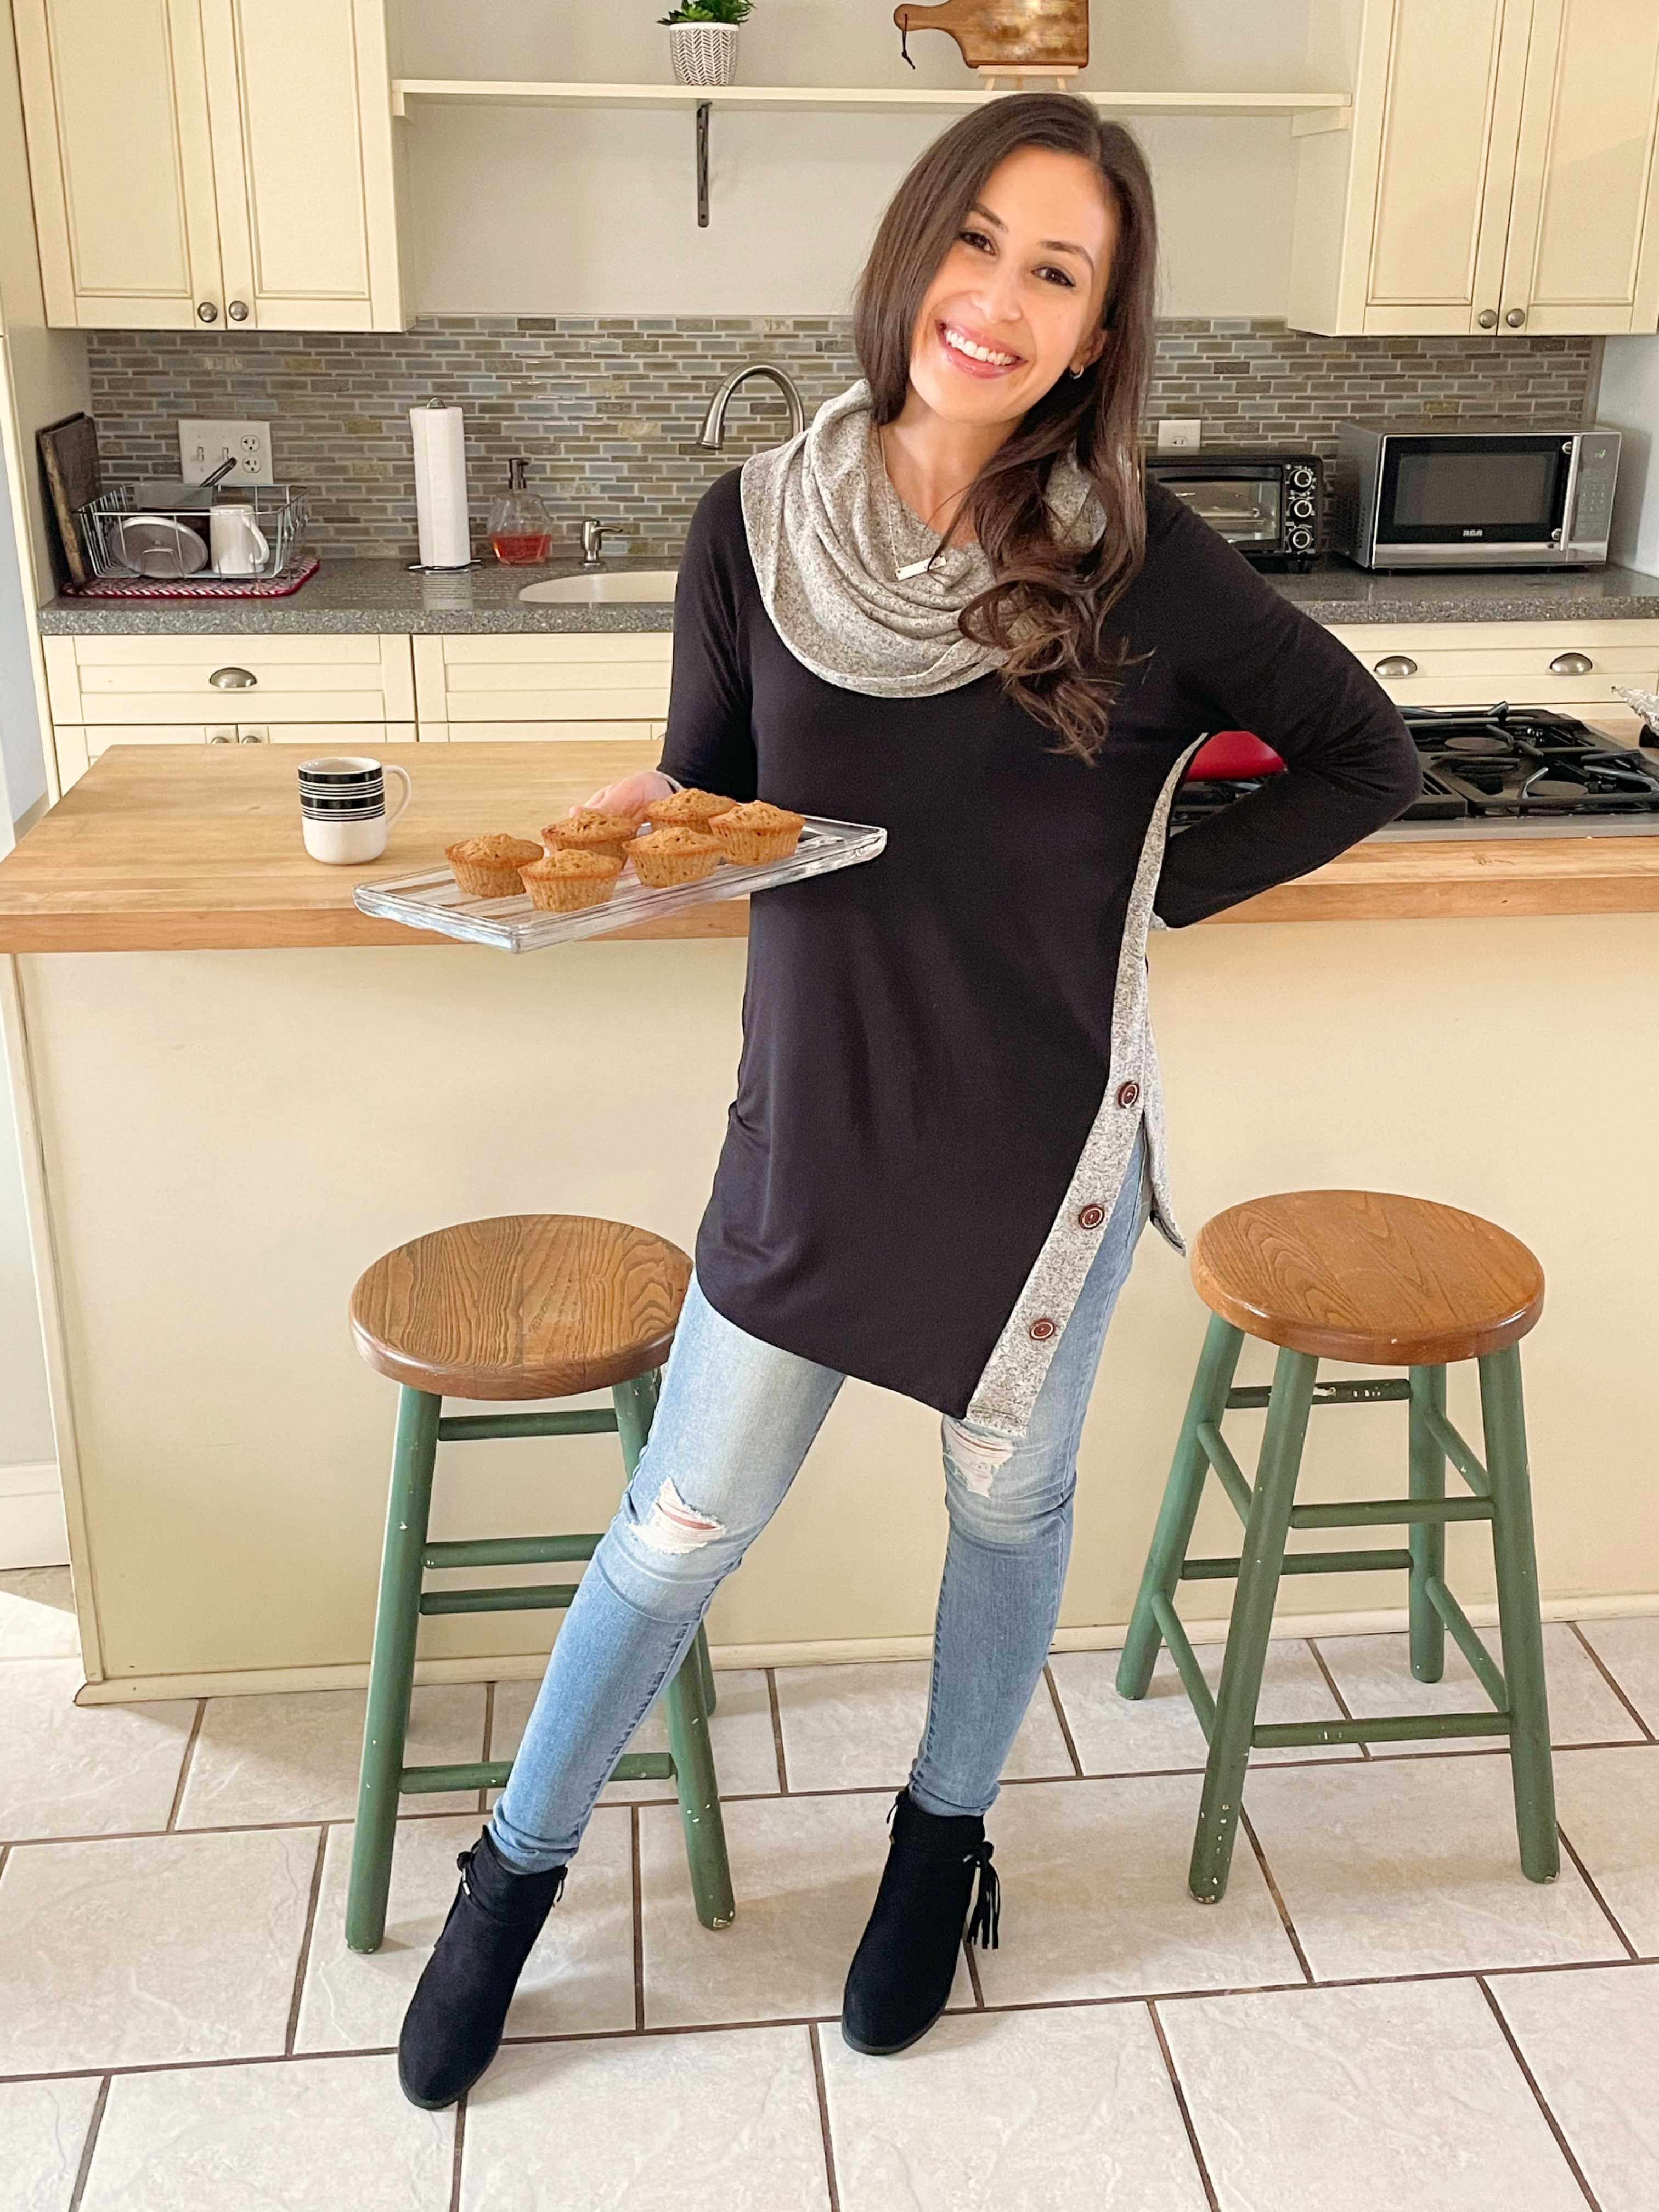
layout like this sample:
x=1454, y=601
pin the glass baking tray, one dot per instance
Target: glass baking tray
x=433, y=899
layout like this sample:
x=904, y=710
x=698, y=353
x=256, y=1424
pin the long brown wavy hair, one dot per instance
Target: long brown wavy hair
x=1047, y=609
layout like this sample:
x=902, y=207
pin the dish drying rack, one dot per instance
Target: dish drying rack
x=278, y=510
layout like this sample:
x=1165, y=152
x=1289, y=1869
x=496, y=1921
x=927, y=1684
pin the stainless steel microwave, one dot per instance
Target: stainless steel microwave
x=1420, y=493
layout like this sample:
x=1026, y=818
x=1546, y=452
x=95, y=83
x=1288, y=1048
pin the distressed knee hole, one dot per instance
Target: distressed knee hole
x=671, y=1525
x=975, y=1455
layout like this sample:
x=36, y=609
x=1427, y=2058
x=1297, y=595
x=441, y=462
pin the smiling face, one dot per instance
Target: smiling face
x=1016, y=303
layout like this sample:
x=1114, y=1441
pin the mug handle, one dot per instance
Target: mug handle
x=392, y=769
x=262, y=548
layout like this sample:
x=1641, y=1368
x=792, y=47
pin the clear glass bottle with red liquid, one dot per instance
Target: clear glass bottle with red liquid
x=520, y=530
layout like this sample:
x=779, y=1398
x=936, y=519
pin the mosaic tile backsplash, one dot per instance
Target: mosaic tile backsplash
x=609, y=411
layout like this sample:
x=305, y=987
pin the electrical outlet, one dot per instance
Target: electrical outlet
x=1180, y=433
x=203, y=446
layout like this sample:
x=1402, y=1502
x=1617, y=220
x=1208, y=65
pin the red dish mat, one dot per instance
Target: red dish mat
x=194, y=587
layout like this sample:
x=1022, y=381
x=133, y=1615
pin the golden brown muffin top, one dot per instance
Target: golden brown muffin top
x=677, y=839
x=572, y=861
x=586, y=826
x=498, y=848
x=758, y=814
x=687, y=809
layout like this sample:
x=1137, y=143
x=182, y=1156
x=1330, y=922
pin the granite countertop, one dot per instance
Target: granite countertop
x=347, y=595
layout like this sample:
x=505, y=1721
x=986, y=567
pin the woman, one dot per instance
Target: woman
x=952, y=607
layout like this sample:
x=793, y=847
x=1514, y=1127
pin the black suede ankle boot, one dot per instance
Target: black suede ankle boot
x=899, y=1982
x=453, y=2028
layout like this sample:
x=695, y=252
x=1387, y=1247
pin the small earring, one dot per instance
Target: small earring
x=1077, y=372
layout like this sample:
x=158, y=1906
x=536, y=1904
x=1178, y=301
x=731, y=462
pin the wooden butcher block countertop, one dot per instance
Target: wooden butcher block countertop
x=183, y=847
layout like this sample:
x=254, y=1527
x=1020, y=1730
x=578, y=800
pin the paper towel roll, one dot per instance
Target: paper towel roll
x=441, y=486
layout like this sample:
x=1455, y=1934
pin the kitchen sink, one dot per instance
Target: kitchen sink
x=602, y=589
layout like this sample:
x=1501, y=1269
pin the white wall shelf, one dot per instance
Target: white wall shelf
x=1309, y=111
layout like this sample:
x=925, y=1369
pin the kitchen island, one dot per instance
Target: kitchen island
x=236, y=1091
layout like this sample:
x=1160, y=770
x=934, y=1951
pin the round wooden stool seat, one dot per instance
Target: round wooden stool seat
x=526, y=1305
x=1366, y=1276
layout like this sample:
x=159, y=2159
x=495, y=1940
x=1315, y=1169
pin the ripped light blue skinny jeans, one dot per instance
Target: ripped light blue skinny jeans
x=735, y=1421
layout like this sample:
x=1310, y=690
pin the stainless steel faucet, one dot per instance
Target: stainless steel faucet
x=713, y=434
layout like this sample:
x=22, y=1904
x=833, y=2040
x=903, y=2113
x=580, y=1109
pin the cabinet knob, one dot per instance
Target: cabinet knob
x=237, y=311
x=1572, y=664
x=252, y=737
x=1394, y=666
x=222, y=738
x=1516, y=318
x=1487, y=319
x=207, y=313
x=233, y=679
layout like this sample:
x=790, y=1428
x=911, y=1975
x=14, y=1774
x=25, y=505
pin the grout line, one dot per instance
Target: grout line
x=639, y=1920
x=89, y=2146
x=1273, y=1891
x=304, y=1958
x=1213, y=2201
x=184, y=1766
x=777, y=1731
x=1531, y=2080
x=455, y=2160
x=1060, y=1714
x=1612, y=1680
x=489, y=1740
x=823, y=2116
x=973, y=1976
x=1590, y=1884
x=1330, y=1684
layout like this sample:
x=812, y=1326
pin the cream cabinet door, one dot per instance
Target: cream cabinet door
x=1450, y=106
x=1584, y=242
x=120, y=160
x=299, y=95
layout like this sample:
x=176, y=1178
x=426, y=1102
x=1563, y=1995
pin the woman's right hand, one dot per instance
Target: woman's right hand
x=633, y=796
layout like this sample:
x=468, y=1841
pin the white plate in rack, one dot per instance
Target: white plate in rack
x=433, y=900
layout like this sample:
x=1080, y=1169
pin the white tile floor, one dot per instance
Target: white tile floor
x=1382, y=2014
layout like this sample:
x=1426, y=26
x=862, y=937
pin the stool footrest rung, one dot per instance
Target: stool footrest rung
x=1300, y=1563
x=1467, y=1640
x=470, y=1428
x=1232, y=1477
x=1390, y=1512
x=1252, y=1396
x=508, y=1551
x=522, y=1597
x=1393, y=1728
x=492, y=1773
x=1181, y=1651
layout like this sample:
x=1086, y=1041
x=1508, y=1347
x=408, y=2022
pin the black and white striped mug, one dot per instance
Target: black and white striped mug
x=343, y=807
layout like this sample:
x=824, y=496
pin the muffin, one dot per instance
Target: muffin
x=687, y=809
x=757, y=832
x=588, y=831
x=488, y=866
x=567, y=879
x=676, y=855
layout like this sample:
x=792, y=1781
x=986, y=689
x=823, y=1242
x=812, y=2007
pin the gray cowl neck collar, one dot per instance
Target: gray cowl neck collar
x=828, y=535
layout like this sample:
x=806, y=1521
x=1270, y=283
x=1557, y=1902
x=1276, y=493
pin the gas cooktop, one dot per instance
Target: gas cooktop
x=1504, y=772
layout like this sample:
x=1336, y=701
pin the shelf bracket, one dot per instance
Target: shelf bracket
x=703, y=164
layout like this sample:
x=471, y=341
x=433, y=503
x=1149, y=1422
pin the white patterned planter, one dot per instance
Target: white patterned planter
x=703, y=53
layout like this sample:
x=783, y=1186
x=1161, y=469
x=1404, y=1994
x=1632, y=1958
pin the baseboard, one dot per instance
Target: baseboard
x=33, y=1533
x=852, y=1651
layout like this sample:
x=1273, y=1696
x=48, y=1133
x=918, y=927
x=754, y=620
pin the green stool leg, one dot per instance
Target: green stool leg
x=1260, y=1564
x=1185, y=1487
x=1504, y=1421
x=1428, y=1539
x=686, y=1708
x=391, y=1670
x=705, y=1669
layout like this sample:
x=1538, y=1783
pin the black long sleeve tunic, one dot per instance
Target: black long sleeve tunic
x=929, y=1077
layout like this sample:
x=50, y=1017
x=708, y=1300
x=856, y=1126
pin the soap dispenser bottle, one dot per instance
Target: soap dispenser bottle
x=520, y=530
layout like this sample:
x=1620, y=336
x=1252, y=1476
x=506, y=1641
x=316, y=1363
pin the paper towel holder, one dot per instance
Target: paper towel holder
x=446, y=567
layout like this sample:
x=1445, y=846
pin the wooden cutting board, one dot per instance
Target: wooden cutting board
x=69, y=457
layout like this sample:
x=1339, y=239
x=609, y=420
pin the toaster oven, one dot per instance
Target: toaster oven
x=1265, y=502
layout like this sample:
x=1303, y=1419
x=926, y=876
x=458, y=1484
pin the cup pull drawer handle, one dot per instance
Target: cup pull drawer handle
x=1392, y=666
x=233, y=679
x=1572, y=664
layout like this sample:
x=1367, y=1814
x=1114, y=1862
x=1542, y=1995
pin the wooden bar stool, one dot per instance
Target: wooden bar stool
x=528, y=1305
x=1381, y=1281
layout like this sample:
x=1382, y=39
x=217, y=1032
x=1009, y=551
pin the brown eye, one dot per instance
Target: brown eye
x=1053, y=275
x=976, y=239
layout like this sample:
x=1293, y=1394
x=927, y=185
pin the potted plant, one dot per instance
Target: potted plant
x=703, y=39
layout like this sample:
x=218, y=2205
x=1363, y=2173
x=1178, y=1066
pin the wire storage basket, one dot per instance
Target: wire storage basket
x=161, y=542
